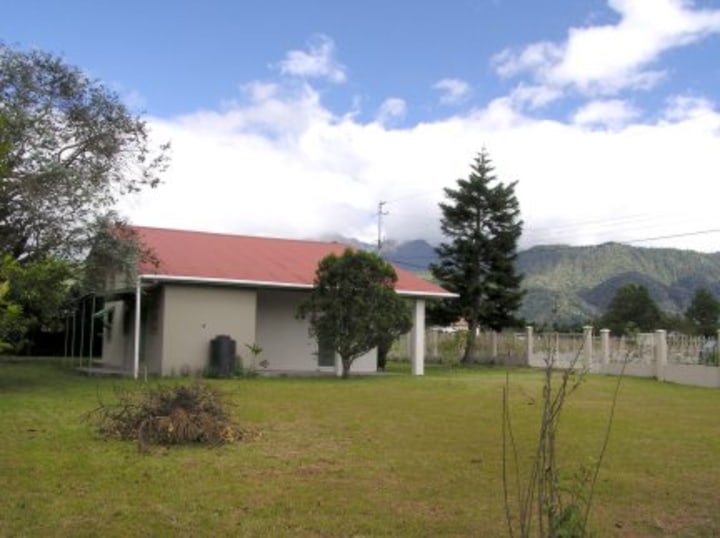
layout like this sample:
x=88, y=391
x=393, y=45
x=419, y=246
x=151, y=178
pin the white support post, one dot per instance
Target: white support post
x=136, y=353
x=417, y=338
x=92, y=333
x=338, y=365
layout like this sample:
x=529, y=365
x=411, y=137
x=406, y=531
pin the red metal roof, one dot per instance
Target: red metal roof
x=250, y=260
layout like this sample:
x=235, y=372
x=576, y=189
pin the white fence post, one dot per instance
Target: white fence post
x=587, y=351
x=529, y=343
x=660, y=354
x=605, y=346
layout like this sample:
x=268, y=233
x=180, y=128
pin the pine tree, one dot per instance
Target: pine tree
x=481, y=221
x=632, y=308
x=703, y=312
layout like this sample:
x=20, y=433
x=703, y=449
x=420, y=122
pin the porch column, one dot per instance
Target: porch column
x=338, y=365
x=136, y=343
x=417, y=338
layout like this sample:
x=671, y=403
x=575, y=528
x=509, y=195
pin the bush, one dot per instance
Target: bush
x=451, y=347
x=168, y=415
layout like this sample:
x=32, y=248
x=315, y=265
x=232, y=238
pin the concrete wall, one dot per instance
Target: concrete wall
x=632, y=369
x=152, y=337
x=193, y=315
x=689, y=374
x=284, y=339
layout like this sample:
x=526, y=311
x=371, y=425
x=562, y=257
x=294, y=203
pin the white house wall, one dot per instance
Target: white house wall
x=152, y=337
x=193, y=315
x=284, y=339
x=117, y=347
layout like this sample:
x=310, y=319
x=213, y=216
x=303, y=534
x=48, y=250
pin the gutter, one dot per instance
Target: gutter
x=275, y=285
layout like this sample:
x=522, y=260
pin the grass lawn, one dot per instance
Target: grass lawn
x=380, y=456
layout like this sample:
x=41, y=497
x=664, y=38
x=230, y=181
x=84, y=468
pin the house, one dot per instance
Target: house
x=204, y=285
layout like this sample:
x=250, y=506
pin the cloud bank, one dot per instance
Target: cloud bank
x=277, y=161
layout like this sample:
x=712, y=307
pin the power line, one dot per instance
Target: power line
x=673, y=236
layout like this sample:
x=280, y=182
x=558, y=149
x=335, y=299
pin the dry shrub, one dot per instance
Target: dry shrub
x=168, y=415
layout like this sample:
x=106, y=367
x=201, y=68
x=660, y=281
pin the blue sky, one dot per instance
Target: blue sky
x=296, y=118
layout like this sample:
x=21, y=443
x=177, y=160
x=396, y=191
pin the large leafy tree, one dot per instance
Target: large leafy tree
x=632, y=308
x=353, y=307
x=704, y=312
x=72, y=148
x=481, y=223
x=69, y=148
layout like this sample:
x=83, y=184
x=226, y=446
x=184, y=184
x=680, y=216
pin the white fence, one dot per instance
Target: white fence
x=689, y=360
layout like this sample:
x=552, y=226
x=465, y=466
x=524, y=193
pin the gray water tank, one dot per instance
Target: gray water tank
x=222, y=356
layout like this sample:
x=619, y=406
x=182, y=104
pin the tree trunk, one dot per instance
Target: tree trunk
x=468, y=356
x=346, y=368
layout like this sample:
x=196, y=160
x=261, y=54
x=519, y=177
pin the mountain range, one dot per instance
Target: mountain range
x=566, y=284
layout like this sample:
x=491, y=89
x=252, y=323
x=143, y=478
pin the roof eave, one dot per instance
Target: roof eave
x=277, y=285
x=225, y=281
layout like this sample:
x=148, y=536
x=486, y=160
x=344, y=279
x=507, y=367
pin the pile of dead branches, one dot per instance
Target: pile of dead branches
x=168, y=415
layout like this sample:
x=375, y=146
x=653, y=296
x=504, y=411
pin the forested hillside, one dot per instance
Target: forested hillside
x=571, y=284
x=575, y=284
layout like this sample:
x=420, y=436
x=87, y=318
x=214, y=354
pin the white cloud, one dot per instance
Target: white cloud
x=271, y=111
x=534, y=96
x=537, y=57
x=606, y=59
x=453, y=90
x=392, y=108
x=683, y=107
x=612, y=113
x=281, y=164
x=316, y=62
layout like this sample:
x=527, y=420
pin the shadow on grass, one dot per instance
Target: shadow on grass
x=25, y=374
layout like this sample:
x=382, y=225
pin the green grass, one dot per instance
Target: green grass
x=382, y=456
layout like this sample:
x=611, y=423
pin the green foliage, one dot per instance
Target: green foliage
x=35, y=294
x=4, y=145
x=115, y=251
x=451, y=346
x=632, y=309
x=703, y=313
x=399, y=322
x=70, y=148
x=353, y=307
x=12, y=327
x=481, y=220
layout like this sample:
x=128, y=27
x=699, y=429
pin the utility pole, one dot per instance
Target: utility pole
x=380, y=213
